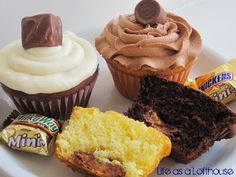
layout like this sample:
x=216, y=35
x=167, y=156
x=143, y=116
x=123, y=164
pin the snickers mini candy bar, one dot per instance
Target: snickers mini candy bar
x=219, y=84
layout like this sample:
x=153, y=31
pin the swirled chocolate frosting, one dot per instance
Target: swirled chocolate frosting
x=149, y=47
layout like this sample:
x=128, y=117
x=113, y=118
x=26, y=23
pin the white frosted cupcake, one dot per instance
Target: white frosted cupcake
x=48, y=79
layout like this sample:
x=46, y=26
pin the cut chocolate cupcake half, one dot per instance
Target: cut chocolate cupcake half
x=190, y=118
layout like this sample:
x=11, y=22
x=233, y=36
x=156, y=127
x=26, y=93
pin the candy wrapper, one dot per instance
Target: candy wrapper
x=30, y=132
x=220, y=84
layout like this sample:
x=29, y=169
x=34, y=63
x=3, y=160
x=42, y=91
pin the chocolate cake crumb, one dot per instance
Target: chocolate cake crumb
x=191, y=119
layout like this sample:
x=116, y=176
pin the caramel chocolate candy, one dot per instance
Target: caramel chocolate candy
x=30, y=132
x=44, y=30
x=219, y=84
x=87, y=162
x=150, y=12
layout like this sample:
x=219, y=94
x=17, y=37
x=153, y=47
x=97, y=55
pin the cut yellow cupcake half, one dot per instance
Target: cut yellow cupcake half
x=110, y=144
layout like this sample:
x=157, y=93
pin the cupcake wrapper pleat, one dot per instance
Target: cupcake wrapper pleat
x=56, y=105
x=128, y=84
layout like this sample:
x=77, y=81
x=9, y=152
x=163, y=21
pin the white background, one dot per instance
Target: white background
x=215, y=19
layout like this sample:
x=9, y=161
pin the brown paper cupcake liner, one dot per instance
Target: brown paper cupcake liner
x=128, y=84
x=57, y=105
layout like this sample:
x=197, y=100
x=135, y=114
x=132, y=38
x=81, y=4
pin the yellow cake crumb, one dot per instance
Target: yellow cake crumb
x=113, y=138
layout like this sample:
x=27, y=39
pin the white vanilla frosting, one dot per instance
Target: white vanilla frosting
x=47, y=69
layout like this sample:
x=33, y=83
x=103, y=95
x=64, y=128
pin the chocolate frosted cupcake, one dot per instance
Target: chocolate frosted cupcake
x=48, y=71
x=148, y=42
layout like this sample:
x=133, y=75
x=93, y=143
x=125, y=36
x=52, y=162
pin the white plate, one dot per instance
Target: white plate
x=106, y=97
